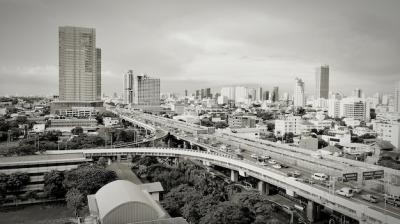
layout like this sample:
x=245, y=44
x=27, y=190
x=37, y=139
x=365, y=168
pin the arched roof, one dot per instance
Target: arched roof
x=119, y=192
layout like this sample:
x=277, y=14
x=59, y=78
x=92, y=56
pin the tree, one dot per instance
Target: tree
x=75, y=200
x=221, y=125
x=270, y=126
x=88, y=178
x=77, y=131
x=229, y=213
x=16, y=181
x=102, y=162
x=53, y=184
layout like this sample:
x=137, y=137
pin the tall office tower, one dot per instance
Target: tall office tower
x=259, y=94
x=356, y=108
x=275, y=94
x=208, y=93
x=266, y=95
x=79, y=65
x=397, y=97
x=357, y=93
x=228, y=92
x=128, y=87
x=377, y=99
x=146, y=91
x=197, y=94
x=241, y=94
x=299, y=99
x=98, y=73
x=186, y=93
x=203, y=93
x=322, y=82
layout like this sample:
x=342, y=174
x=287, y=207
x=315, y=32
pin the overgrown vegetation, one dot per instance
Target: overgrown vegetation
x=194, y=194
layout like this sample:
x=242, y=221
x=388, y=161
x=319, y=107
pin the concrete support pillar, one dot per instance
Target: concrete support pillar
x=234, y=175
x=184, y=145
x=118, y=158
x=109, y=161
x=311, y=211
x=263, y=187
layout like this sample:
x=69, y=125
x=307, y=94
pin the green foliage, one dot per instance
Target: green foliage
x=228, y=212
x=221, y=125
x=88, y=178
x=53, y=184
x=77, y=131
x=17, y=181
x=75, y=200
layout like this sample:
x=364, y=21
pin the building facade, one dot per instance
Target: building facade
x=322, y=82
x=79, y=65
x=299, y=99
x=355, y=108
x=141, y=90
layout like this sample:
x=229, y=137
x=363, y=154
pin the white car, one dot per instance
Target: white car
x=265, y=157
x=319, y=176
x=271, y=161
x=254, y=156
x=346, y=191
x=277, y=166
x=357, y=190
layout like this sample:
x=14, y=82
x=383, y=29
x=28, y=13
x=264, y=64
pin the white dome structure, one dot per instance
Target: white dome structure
x=121, y=202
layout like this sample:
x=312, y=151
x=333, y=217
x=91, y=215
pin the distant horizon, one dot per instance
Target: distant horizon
x=195, y=45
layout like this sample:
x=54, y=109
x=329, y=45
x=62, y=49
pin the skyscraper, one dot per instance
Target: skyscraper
x=299, y=99
x=357, y=93
x=266, y=95
x=128, y=87
x=79, y=65
x=141, y=90
x=322, y=82
x=397, y=97
x=259, y=94
x=228, y=92
x=275, y=94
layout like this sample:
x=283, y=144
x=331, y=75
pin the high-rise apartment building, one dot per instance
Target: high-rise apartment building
x=141, y=90
x=79, y=65
x=259, y=94
x=208, y=93
x=397, y=97
x=241, y=94
x=322, y=82
x=228, y=92
x=299, y=99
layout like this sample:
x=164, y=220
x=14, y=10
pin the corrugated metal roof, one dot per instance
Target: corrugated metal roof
x=152, y=187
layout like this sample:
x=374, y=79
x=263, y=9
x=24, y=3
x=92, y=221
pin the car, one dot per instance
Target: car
x=357, y=190
x=345, y=191
x=289, y=174
x=319, y=176
x=308, y=181
x=254, y=156
x=392, y=201
x=262, y=163
x=271, y=161
x=296, y=174
x=370, y=198
x=277, y=166
x=265, y=157
x=284, y=166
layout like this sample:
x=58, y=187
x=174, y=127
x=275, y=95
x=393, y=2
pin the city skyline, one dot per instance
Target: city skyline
x=186, y=49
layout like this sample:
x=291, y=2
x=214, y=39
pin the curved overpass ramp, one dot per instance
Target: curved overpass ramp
x=362, y=212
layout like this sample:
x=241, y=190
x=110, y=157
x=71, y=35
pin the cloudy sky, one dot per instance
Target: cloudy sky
x=198, y=44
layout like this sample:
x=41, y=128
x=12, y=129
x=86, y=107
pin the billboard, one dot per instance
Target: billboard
x=372, y=175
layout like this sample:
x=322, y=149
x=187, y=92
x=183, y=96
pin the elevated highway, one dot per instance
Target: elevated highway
x=364, y=213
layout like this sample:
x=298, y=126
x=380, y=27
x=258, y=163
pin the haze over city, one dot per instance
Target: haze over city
x=194, y=44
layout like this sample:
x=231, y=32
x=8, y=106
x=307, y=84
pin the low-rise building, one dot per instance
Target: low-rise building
x=73, y=122
x=242, y=121
x=389, y=132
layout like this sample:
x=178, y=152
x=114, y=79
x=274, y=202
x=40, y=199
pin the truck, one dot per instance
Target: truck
x=345, y=191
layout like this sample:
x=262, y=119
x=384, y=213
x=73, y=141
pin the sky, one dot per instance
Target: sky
x=210, y=43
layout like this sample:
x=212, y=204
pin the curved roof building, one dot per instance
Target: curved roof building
x=121, y=202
